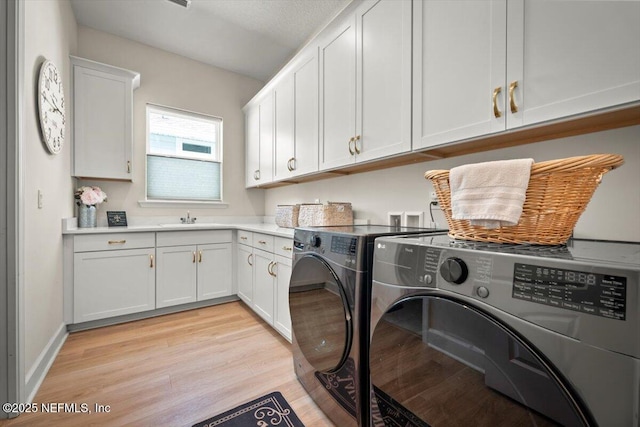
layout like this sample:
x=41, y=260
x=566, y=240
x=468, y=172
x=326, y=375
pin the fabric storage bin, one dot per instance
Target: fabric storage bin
x=287, y=216
x=332, y=213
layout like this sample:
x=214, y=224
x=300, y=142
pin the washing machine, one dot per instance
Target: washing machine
x=486, y=334
x=329, y=302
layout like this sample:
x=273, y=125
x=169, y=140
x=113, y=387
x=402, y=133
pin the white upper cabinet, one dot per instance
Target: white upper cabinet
x=365, y=85
x=571, y=57
x=102, y=120
x=486, y=66
x=252, y=146
x=296, y=118
x=459, y=60
x=338, y=95
x=259, y=119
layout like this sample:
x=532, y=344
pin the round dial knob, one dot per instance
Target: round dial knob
x=315, y=241
x=454, y=270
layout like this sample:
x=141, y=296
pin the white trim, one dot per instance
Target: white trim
x=11, y=137
x=39, y=370
x=181, y=204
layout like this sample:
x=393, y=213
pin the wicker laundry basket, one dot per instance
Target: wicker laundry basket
x=558, y=192
x=332, y=213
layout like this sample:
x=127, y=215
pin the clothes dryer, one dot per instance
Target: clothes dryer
x=467, y=333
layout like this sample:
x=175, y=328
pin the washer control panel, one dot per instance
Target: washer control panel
x=589, y=292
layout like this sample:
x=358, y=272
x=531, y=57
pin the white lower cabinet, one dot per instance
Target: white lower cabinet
x=195, y=272
x=281, y=315
x=263, y=285
x=263, y=274
x=244, y=274
x=109, y=278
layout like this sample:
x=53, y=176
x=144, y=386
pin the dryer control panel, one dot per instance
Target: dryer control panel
x=588, y=292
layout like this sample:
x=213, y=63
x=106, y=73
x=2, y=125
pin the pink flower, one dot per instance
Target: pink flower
x=90, y=196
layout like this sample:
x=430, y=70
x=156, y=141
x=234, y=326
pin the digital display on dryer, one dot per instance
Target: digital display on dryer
x=343, y=245
x=592, y=293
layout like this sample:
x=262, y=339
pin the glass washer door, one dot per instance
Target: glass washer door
x=437, y=362
x=320, y=314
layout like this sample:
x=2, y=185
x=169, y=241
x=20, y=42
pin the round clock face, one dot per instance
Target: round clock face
x=51, y=106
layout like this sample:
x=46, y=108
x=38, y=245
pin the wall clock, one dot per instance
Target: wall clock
x=51, y=107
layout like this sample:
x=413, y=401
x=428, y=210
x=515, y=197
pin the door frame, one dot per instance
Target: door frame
x=11, y=203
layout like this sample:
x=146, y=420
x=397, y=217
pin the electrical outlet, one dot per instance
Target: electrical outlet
x=433, y=197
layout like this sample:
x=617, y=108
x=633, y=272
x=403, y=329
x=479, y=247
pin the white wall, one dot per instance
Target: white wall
x=613, y=213
x=50, y=33
x=175, y=81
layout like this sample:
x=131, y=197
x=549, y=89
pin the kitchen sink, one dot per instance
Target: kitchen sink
x=194, y=225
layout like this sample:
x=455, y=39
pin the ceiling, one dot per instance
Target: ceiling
x=251, y=37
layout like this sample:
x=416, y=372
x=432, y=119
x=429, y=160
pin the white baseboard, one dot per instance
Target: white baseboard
x=39, y=370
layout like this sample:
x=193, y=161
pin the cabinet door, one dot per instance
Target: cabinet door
x=113, y=283
x=252, y=154
x=337, y=95
x=102, y=120
x=264, y=285
x=265, y=174
x=214, y=271
x=284, y=130
x=459, y=61
x=282, y=318
x=383, y=69
x=176, y=278
x=571, y=57
x=244, y=274
x=305, y=83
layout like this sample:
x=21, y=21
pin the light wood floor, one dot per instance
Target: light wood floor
x=173, y=370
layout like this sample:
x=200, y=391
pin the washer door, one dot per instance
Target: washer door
x=438, y=362
x=320, y=314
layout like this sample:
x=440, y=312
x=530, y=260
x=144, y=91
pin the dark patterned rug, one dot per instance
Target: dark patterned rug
x=269, y=410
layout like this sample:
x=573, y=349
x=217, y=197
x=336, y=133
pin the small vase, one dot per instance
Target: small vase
x=87, y=216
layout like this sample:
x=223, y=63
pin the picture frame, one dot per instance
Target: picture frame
x=117, y=218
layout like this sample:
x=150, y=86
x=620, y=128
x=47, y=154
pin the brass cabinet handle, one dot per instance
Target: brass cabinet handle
x=287, y=248
x=117, y=242
x=243, y=237
x=496, y=111
x=249, y=259
x=270, y=268
x=128, y=166
x=262, y=242
x=199, y=256
x=512, y=99
x=194, y=256
x=355, y=144
x=351, y=149
x=291, y=164
x=256, y=175
x=150, y=261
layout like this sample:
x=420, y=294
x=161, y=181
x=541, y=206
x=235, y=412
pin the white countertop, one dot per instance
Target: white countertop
x=253, y=227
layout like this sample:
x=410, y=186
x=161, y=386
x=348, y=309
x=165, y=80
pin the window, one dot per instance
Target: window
x=184, y=156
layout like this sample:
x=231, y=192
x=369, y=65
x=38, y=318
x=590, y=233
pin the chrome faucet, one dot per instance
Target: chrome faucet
x=188, y=219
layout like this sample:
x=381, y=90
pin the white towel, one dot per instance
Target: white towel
x=490, y=194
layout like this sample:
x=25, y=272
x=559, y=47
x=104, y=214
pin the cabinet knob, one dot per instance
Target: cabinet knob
x=496, y=111
x=512, y=99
